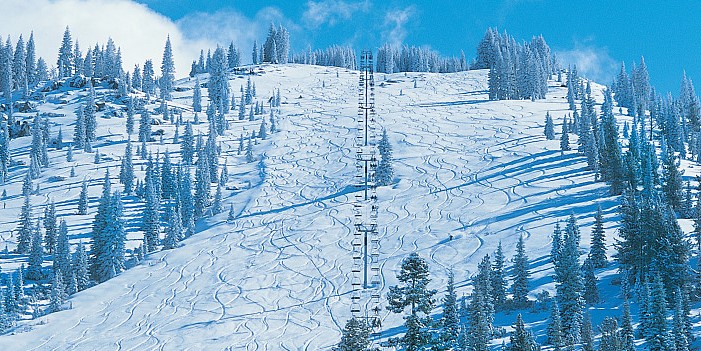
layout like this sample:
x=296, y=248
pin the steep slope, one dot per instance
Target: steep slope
x=277, y=277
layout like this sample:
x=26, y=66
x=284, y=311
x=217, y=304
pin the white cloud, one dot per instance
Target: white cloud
x=139, y=31
x=395, y=25
x=592, y=62
x=322, y=12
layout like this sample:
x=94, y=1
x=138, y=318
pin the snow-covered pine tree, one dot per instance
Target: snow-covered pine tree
x=564, y=137
x=145, y=127
x=90, y=118
x=187, y=150
x=549, y=127
x=126, y=172
x=249, y=151
x=587, y=335
x=197, y=96
x=450, y=320
x=151, y=216
x=672, y=184
x=50, y=228
x=597, y=253
x=174, y=231
x=83, y=199
x=679, y=328
x=481, y=309
x=519, y=288
x=591, y=291
x=498, y=281
x=385, y=172
x=130, y=116
x=413, y=292
x=64, y=64
x=521, y=339
x=36, y=256
x=24, y=232
x=168, y=178
x=202, y=184
x=610, y=335
x=355, y=336
x=58, y=293
x=79, y=264
x=554, y=330
x=167, y=72
x=62, y=256
x=627, y=332
x=569, y=283
x=657, y=333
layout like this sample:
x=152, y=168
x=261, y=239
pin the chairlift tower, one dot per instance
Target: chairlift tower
x=365, y=298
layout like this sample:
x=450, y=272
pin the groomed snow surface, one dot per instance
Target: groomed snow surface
x=278, y=277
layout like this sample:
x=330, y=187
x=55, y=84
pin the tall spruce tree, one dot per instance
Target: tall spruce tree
x=498, y=279
x=50, y=228
x=569, y=282
x=597, y=253
x=450, y=321
x=521, y=339
x=36, y=256
x=549, y=127
x=519, y=288
x=413, y=292
x=167, y=72
x=481, y=309
x=355, y=336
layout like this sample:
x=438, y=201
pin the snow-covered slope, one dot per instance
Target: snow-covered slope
x=278, y=277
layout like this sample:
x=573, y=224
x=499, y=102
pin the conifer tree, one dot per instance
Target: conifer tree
x=187, y=150
x=657, y=334
x=519, y=288
x=197, y=96
x=672, y=185
x=50, y=228
x=385, y=171
x=610, y=335
x=24, y=233
x=216, y=204
x=564, y=137
x=521, y=339
x=413, y=293
x=36, y=256
x=145, y=127
x=151, y=217
x=83, y=199
x=167, y=72
x=126, y=173
x=549, y=127
x=58, y=293
x=587, y=333
x=450, y=321
x=130, y=116
x=591, y=291
x=65, y=55
x=481, y=310
x=681, y=342
x=569, y=282
x=554, y=330
x=498, y=279
x=249, y=151
x=62, y=256
x=90, y=119
x=627, y=332
x=174, y=230
x=597, y=253
x=355, y=336
x=80, y=267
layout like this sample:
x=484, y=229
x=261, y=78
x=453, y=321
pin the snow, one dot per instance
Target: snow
x=278, y=276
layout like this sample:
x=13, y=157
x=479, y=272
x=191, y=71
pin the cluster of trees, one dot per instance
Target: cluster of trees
x=516, y=71
x=275, y=49
x=392, y=59
x=334, y=56
x=202, y=65
x=20, y=68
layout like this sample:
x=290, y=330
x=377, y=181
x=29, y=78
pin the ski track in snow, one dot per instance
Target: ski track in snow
x=278, y=276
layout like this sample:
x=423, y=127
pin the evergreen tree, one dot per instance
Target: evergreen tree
x=681, y=342
x=24, y=233
x=187, y=150
x=126, y=173
x=167, y=72
x=65, y=55
x=519, y=288
x=672, y=185
x=564, y=137
x=145, y=127
x=521, y=339
x=569, y=282
x=174, y=231
x=657, y=335
x=83, y=199
x=90, y=119
x=356, y=336
x=385, y=172
x=627, y=333
x=151, y=217
x=62, y=256
x=610, y=155
x=554, y=331
x=481, y=310
x=597, y=253
x=50, y=228
x=58, y=293
x=36, y=256
x=249, y=151
x=186, y=199
x=216, y=204
x=80, y=267
x=587, y=334
x=450, y=321
x=413, y=292
x=168, y=179
x=610, y=336
x=549, y=127
x=498, y=279
x=591, y=291
x=197, y=96
x=130, y=116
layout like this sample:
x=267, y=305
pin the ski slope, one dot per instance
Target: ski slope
x=278, y=276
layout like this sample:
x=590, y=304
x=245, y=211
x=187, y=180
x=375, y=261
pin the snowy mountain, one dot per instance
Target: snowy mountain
x=470, y=173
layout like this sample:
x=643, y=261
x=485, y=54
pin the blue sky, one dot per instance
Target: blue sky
x=598, y=34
